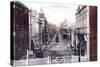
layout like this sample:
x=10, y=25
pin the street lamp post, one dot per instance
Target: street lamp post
x=79, y=46
x=79, y=54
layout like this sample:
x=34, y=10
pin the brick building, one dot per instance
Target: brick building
x=86, y=24
x=19, y=30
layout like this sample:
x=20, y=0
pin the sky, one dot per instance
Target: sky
x=54, y=12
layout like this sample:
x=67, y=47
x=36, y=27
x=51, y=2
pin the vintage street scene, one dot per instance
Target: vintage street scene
x=50, y=33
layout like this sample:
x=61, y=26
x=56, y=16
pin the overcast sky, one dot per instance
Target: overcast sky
x=55, y=12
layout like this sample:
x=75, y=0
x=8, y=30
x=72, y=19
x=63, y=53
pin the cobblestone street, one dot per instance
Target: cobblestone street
x=59, y=48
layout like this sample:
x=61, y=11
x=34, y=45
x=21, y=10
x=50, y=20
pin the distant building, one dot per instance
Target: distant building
x=19, y=30
x=65, y=29
x=84, y=26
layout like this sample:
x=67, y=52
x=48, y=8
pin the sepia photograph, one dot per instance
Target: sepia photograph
x=52, y=33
